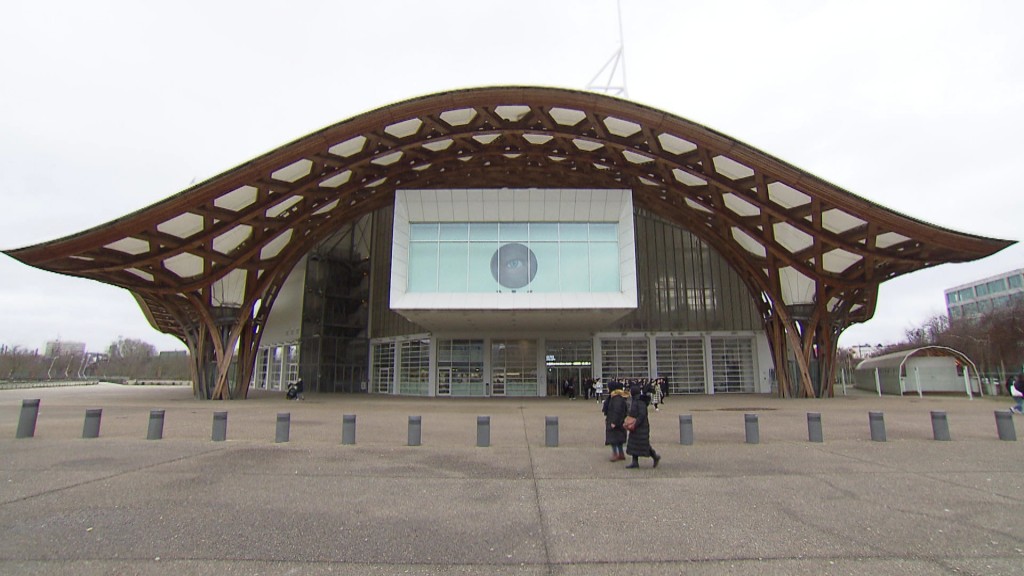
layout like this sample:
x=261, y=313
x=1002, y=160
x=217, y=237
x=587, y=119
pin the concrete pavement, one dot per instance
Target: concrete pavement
x=121, y=504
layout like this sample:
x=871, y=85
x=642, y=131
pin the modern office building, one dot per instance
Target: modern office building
x=500, y=241
x=55, y=348
x=977, y=298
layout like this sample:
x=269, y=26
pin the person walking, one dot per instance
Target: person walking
x=1017, y=391
x=655, y=392
x=615, y=408
x=638, y=442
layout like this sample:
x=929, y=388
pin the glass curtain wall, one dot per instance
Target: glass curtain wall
x=624, y=358
x=514, y=368
x=681, y=362
x=732, y=367
x=472, y=257
x=260, y=373
x=566, y=359
x=276, y=367
x=414, y=370
x=460, y=368
x=383, y=367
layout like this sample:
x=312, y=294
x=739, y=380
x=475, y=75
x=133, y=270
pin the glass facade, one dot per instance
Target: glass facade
x=462, y=257
x=624, y=358
x=985, y=296
x=514, y=368
x=276, y=367
x=686, y=292
x=383, y=367
x=732, y=364
x=414, y=367
x=681, y=362
x=460, y=368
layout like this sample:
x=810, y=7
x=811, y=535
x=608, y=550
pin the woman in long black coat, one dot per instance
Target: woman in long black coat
x=639, y=442
x=615, y=408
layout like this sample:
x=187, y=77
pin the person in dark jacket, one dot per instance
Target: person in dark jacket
x=639, y=442
x=615, y=408
x=1017, y=391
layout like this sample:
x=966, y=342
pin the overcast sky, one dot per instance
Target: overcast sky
x=108, y=107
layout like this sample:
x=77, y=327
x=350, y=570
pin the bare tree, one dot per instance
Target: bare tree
x=993, y=340
x=18, y=363
x=129, y=357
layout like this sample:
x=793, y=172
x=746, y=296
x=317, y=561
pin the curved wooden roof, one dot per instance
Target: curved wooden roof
x=225, y=242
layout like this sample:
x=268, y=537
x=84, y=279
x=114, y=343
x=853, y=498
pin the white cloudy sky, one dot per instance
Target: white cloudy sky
x=107, y=107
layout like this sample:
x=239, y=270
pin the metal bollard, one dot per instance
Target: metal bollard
x=551, y=431
x=1004, y=425
x=751, y=428
x=220, y=426
x=156, y=425
x=284, y=422
x=686, y=429
x=877, y=422
x=483, y=431
x=415, y=429
x=92, y=423
x=27, y=420
x=814, y=427
x=348, y=429
x=940, y=426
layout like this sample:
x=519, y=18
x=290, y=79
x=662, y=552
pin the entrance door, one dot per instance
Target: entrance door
x=557, y=375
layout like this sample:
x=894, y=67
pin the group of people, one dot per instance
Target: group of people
x=589, y=388
x=626, y=421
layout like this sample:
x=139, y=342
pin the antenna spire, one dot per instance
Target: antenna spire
x=611, y=78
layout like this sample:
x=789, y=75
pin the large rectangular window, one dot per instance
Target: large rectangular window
x=540, y=257
x=460, y=368
x=624, y=358
x=514, y=368
x=383, y=369
x=276, y=371
x=681, y=362
x=414, y=372
x=261, y=369
x=997, y=286
x=732, y=364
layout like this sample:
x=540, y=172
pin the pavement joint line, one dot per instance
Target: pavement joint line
x=633, y=565
x=853, y=458
x=943, y=479
x=108, y=477
x=536, y=495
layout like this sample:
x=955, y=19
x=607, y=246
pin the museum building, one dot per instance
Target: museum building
x=503, y=241
x=512, y=293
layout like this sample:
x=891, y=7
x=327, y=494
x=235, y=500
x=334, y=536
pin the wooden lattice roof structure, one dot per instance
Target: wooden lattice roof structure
x=206, y=263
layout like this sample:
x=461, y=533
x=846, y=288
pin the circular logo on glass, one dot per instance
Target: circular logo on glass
x=513, y=265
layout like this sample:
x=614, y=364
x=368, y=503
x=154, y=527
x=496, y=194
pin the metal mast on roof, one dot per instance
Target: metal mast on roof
x=612, y=84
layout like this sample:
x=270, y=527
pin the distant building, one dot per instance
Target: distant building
x=57, y=348
x=982, y=296
x=174, y=354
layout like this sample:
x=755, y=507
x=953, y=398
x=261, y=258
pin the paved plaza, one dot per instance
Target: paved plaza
x=184, y=504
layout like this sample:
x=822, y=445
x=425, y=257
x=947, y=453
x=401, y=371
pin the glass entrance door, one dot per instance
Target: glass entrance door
x=568, y=360
x=560, y=375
